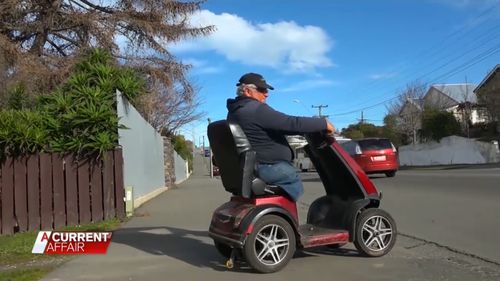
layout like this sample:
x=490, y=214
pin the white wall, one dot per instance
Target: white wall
x=450, y=150
x=181, y=168
x=143, y=165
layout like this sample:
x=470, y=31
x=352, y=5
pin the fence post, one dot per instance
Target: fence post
x=7, y=197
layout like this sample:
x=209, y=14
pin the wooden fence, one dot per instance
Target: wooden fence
x=48, y=191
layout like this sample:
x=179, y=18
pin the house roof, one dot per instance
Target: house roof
x=458, y=92
x=488, y=77
x=416, y=102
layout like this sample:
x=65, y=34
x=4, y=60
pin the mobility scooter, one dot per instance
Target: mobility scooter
x=260, y=223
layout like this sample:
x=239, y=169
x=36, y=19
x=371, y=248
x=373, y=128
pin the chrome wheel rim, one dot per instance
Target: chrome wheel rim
x=377, y=233
x=271, y=244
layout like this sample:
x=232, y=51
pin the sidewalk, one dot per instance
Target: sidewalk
x=167, y=234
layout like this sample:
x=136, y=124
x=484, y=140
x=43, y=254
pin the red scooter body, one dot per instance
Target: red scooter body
x=260, y=222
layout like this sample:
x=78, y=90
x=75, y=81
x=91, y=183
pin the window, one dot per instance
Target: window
x=374, y=144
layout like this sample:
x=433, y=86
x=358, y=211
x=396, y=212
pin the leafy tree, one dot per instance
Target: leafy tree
x=362, y=130
x=390, y=130
x=22, y=132
x=439, y=124
x=40, y=42
x=353, y=134
x=184, y=148
x=79, y=117
x=368, y=130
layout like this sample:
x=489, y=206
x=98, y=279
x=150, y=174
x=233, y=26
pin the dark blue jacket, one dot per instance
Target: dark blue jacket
x=266, y=128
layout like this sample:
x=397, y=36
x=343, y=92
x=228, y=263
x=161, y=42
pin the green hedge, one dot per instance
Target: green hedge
x=79, y=117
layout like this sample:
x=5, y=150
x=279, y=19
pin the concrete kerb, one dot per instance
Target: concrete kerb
x=450, y=167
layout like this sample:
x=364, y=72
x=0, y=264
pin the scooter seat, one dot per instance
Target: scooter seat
x=260, y=188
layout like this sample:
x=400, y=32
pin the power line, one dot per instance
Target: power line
x=483, y=16
x=471, y=62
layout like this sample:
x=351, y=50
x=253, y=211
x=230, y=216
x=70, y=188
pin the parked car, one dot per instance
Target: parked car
x=215, y=168
x=216, y=171
x=374, y=155
x=302, y=161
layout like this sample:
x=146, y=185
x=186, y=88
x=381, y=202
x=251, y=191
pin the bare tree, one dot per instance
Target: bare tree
x=40, y=39
x=167, y=111
x=465, y=108
x=408, y=109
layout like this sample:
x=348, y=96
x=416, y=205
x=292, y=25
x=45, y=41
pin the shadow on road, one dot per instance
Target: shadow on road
x=182, y=244
x=333, y=252
x=187, y=246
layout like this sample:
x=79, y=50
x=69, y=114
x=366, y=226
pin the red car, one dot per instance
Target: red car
x=374, y=155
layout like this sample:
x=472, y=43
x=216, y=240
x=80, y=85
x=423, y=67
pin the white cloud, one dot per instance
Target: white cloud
x=282, y=45
x=308, y=85
x=202, y=66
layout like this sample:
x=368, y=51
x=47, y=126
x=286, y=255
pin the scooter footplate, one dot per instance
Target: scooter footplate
x=313, y=236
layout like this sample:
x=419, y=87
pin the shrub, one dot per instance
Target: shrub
x=22, y=132
x=79, y=117
x=183, y=148
x=439, y=124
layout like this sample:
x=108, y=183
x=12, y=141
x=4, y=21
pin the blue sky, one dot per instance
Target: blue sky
x=349, y=55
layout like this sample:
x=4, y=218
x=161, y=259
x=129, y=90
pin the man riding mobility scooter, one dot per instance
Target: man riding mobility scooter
x=260, y=222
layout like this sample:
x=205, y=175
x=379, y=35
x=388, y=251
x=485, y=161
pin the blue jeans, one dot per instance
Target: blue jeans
x=284, y=175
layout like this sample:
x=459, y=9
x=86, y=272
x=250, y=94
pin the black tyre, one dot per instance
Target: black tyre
x=375, y=233
x=271, y=244
x=390, y=174
x=223, y=249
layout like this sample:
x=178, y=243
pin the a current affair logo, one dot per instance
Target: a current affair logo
x=71, y=242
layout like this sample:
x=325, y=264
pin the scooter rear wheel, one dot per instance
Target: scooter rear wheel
x=271, y=245
x=375, y=233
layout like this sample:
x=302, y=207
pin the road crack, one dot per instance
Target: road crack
x=451, y=249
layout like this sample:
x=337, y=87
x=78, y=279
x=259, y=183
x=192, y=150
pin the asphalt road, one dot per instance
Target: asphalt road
x=167, y=238
x=455, y=208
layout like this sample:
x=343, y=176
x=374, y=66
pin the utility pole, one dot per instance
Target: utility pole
x=319, y=107
x=467, y=108
x=193, y=134
x=210, y=155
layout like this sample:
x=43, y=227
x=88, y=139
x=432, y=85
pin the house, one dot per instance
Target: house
x=488, y=93
x=458, y=99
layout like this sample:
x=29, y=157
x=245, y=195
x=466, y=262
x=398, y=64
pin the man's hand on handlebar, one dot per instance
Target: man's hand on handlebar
x=330, y=129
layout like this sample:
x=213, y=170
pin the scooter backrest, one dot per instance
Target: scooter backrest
x=233, y=155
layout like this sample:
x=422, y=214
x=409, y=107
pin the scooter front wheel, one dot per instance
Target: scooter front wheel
x=271, y=245
x=375, y=233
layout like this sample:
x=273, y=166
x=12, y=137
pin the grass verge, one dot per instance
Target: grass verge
x=18, y=263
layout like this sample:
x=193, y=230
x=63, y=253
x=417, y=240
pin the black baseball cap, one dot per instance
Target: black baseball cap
x=256, y=79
